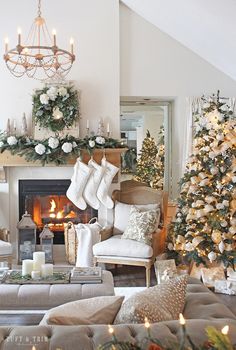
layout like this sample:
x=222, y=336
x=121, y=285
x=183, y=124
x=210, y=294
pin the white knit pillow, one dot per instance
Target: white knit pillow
x=141, y=225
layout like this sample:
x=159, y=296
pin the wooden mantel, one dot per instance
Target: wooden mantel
x=9, y=160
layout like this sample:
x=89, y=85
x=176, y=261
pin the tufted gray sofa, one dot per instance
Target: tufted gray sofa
x=202, y=308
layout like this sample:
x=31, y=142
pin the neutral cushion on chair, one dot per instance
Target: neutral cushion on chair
x=122, y=212
x=115, y=246
x=5, y=248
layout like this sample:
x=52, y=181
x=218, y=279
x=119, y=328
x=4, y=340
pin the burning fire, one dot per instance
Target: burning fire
x=60, y=214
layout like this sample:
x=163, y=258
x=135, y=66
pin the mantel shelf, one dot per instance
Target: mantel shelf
x=9, y=160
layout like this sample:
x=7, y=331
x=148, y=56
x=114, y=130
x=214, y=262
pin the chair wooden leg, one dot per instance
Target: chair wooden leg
x=148, y=276
x=95, y=262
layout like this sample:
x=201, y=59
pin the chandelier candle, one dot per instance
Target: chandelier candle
x=39, y=260
x=47, y=270
x=19, y=36
x=27, y=267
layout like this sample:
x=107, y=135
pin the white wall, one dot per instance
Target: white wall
x=95, y=27
x=153, y=64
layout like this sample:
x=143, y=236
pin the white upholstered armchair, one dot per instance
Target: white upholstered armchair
x=5, y=247
x=115, y=250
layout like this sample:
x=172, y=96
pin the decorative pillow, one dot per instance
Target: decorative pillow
x=141, y=225
x=122, y=213
x=163, y=302
x=98, y=310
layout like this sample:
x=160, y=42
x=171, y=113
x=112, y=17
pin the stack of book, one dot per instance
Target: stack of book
x=86, y=275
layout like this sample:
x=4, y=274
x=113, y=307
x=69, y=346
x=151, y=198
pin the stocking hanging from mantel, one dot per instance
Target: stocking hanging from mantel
x=91, y=187
x=78, y=181
x=110, y=171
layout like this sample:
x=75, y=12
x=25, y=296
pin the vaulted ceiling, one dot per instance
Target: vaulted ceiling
x=207, y=27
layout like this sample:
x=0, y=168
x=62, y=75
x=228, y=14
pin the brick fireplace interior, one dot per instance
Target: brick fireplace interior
x=46, y=201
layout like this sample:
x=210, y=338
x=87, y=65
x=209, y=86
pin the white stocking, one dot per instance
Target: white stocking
x=103, y=189
x=93, y=182
x=78, y=182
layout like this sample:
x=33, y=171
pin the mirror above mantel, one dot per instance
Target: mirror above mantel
x=137, y=115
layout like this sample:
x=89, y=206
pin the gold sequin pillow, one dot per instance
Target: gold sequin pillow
x=163, y=302
x=141, y=225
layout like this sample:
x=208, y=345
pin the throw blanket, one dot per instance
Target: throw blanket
x=88, y=235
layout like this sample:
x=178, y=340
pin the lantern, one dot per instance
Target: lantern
x=26, y=237
x=46, y=242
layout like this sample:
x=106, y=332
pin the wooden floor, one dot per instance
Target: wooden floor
x=126, y=276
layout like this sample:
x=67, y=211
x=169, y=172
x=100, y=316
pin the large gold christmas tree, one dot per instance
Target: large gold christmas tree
x=150, y=164
x=205, y=226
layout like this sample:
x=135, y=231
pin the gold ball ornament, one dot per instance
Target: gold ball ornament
x=216, y=236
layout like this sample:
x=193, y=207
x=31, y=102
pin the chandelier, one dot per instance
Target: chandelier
x=39, y=57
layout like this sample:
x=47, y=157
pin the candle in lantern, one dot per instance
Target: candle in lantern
x=72, y=45
x=108, y=127
x=27, y=267
x=6, y=44
x=35, y=275
x=39, y=260
x=19, y=36
x=47, y=270
x=54, y=33
x=87, y=124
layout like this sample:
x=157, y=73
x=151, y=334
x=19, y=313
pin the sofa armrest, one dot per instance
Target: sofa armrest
x=106, y=232
x=4, y=235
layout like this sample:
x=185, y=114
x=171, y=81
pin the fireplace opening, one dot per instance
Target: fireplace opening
x=46, y=201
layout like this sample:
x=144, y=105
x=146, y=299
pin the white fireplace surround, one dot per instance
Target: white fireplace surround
x=9, y=200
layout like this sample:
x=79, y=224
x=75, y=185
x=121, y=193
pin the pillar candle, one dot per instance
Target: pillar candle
x=27, y=267
x=35, y=275
x=39, y=260
x=47, y=270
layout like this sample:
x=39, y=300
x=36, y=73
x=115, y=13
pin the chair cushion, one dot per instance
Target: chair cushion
x=5, y=248
x=115, y=246
x=141, y=225
x=122, y=212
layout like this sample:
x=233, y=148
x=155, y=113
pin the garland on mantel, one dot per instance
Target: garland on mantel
x=54, y=149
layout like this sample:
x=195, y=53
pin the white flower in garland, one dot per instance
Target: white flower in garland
x=62, y=91
x=40, y=149
x=67, y=147
x=1, y=144
x=74, y=144
x=53, y=142
x=44, y=99
x=91, y=143
x=100, y=140
x=12, y=140
x=52, y=93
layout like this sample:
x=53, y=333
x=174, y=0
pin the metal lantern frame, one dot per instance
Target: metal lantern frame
x=26, y=237
x=46, y=243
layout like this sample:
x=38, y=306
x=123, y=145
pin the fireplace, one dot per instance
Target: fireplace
x=46, y=201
